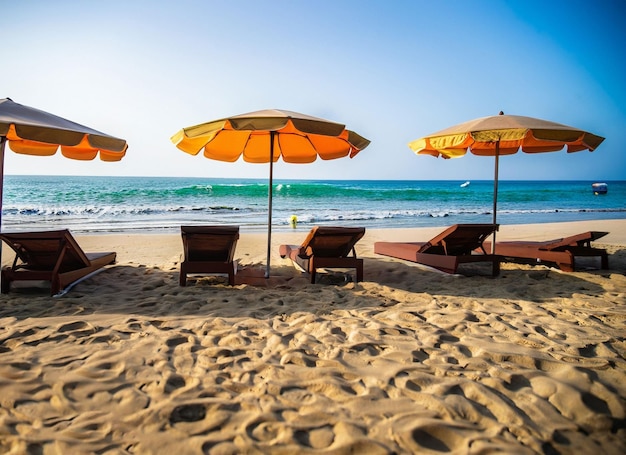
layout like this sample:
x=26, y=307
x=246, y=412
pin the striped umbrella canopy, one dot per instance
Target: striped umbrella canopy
x=504, y=135
x=31, y=131
x=267, y=135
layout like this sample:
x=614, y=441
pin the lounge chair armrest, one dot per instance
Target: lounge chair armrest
x=425, y=246
x=14, y=266
x=291, y=250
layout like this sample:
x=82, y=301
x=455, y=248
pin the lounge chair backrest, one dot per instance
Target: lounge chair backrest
x=582, y=239
x=330, y=241
x=41, y=250
x=209, y=243
x=459, y=239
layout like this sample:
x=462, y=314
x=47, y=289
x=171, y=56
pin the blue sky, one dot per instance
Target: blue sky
x=393, y=71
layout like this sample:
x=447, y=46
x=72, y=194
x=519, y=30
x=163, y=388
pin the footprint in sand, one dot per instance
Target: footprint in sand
x=188, y=413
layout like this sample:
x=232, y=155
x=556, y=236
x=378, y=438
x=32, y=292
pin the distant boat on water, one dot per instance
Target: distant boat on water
x=463, y=185
x=599, y=188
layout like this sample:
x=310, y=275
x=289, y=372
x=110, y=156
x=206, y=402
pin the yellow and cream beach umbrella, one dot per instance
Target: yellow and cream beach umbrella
x=504, y=135
x=31, y=131
x=264, y=137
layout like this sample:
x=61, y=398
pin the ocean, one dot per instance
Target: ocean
x=161, y=204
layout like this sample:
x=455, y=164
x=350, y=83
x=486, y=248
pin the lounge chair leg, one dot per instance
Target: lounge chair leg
x=232, y=273
x=495, y=270
x=604, y=262
x=183, y=279
x=566, y=267
x=5, y=285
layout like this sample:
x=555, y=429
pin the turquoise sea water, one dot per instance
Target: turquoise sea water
x=131, y=204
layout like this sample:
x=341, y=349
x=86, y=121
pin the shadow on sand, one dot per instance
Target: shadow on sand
x=152, y=291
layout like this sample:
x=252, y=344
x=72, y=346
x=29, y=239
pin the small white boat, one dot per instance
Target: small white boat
x=463, y=185
x=599, y=188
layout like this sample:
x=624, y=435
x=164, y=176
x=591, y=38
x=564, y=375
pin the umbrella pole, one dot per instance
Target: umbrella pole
x=3, y=141
x=495, y=197
x=269, y=214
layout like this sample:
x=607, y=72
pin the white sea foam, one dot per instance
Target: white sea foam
x=118, y=204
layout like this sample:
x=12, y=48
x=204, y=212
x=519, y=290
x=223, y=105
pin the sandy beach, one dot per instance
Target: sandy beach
x=410, y=360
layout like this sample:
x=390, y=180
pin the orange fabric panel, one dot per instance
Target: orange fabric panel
x=33, y=148
x=330, y=148
x=108, y=156
x=227, y=145
x=83, y=151
x=295, y=148
x=257, y=149
x=78, y=153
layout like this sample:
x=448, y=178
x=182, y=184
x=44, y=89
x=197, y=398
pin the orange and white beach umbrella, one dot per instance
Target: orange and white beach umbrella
x=504, y=135
x=264, y=137
x=31, y=131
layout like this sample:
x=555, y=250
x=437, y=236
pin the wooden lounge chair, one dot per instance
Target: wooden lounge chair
x=52, y=256
x=560, y=252
x=327, y=247
x=447, y=250
x=209, y=250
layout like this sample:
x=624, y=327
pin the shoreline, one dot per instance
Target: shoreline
x=409, y=360
x=172, y=226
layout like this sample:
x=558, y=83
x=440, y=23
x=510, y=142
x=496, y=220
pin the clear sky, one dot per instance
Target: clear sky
x=393, y=71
